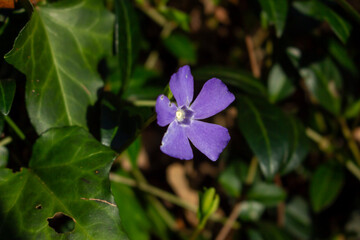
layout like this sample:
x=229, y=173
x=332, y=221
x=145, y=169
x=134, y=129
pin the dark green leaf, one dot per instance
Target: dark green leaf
x=251, y=211
x=297, y=218
x=324, y=81
x=133, y=151
x=135, y=221
x=276, y=12
x=179, y=17
x=254, y=235
x=266, y=193
x=181, y=47
x=58, y=51
x=68, y=173
x=320, y=11
x=7, y=92
x=1, y=123
x=299, y=145
x=232, y=177
x=270, y=231
x=262, y=125
x=127, y=39
x=341, y=55
x=279, y=85
x=237, y=78
x=325, y=186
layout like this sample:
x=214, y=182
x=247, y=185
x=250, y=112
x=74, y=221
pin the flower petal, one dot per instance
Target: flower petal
x=210, y=139
x=213, y=98
x=165, y=110
x=175, y=143
x=182, y=86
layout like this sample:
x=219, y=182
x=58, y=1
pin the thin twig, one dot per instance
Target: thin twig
x=229, y=223
x=15, y=127
x=281, y=205
x=5, y=141
x=252, y=56
x=350, y=140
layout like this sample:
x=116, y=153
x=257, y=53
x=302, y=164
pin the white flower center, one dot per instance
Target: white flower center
x=180, y=115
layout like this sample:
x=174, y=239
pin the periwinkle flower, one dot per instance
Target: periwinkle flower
x=183, y=117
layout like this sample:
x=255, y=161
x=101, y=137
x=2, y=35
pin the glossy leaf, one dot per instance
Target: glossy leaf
x=279, y=85
x=325, y=185
x=320, y=11
x=266, y=130
x=232, y=178
x=7, y=92
x=266, y=193
x=240, y=79
x=251, y=211
x=339, y=52
x=323, y=80
x=127, y=39
x=298, y=219
x=68, y=173
x=276, y=12
x=181, y=47
x=58, y=51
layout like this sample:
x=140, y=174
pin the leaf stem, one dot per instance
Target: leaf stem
x=164, y=195
x=15, y=127
x=5, y=141
x=353, y=169
x=229, y=223
x=350, y=140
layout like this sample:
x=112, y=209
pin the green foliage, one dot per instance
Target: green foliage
x=266, y=193
x=7, y=92
x=181, y=47
x=62, y=80
x=279, y=85
x=275, y=12
x=59, y=155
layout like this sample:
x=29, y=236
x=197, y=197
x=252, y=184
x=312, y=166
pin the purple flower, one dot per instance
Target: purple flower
x=210, y=139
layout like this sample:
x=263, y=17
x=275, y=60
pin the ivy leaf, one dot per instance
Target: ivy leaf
x=58, y=51
x=320, y=11
x=7, y=92
x=68, y=176
x=325, y=185
x=276, y=12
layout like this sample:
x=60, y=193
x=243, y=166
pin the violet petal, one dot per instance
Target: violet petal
x=175, y=143
x=165, y=110
x=210, y=139
x=182, y=86
x=213, y=98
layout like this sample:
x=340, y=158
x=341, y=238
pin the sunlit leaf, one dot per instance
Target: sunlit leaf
x=279, y=84
x=7, y=92
x=276, y=12
x=251, y=211
x=325, y=185
x=68, y=174
x=58, y=51
x=320, y=11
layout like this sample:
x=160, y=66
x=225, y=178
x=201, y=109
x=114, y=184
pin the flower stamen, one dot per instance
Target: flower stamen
x=180, y=115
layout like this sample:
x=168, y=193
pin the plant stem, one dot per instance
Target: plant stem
x=144, y=103
x=350, y=140
x=252, y=171
x=164, y=195
x=15, y=128
x=196, y=233
x=5, y=141
x=353, y=169
x=229, y=223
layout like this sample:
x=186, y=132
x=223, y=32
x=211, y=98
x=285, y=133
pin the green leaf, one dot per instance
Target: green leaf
x=68, y=174
x=1, y=123
x=232, y=177
x=275, y=139
x=135, y=221
x=251, y=211
x=133, y=151
x=320, y=11
x=339, y=52
x=325, y=185
x=58, y=51
x=179, y=17
x=270, y=231
x=279, y=85
x=266, y=193
x=127, y=39
x=240, y=79
x=181, y=47
x=7, y=92
x=323, y=80
x=298, y=219
x=299, y=145
x=276, y=12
